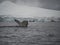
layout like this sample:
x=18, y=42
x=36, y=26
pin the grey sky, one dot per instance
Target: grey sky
x=49, y=4
x=30, y=8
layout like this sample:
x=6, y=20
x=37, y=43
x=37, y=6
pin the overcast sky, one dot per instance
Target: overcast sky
x=30, y=8
x=49, y=4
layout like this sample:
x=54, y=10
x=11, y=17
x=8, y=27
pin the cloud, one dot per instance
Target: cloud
x=1, y=1
x=48, y=4
x=7, y=0
x=9, y=8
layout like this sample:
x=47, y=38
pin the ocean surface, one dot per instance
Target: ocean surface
x=37, y=33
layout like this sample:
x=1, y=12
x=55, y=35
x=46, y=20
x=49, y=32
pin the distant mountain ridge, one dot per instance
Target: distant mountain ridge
x=9, y=8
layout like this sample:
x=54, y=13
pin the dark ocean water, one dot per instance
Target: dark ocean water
x=37, y=33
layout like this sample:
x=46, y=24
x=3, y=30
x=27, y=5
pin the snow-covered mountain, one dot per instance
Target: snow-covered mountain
x=9, y=8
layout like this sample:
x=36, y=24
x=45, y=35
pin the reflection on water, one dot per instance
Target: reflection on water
x=34, y=34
